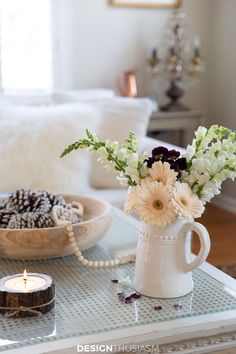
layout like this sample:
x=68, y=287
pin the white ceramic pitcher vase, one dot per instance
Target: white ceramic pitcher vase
x=164, y=261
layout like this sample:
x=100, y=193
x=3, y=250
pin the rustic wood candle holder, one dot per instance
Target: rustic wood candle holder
x=26, y=303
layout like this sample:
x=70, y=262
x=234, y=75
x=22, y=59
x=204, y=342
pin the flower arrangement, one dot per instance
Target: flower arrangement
x=167, y=186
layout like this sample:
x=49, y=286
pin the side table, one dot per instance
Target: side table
x=185, y=122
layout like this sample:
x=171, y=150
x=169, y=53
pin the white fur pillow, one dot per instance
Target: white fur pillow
x=31, y=141
x=119, y=116
x=32, y=98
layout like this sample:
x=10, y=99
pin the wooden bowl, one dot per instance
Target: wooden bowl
x=28, y=244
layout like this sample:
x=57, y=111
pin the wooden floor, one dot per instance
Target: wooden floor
x=221, y=226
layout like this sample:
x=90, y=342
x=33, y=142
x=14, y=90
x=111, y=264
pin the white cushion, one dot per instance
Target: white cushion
x=119, y=116
x=30, y=98
x=31, y=141
x=87, y=96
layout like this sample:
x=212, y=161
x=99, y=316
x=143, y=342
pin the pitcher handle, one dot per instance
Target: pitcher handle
x=205, y=242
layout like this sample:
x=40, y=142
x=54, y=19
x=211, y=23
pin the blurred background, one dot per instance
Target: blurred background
x=85, y=44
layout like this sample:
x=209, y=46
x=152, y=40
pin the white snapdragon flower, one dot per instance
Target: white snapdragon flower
x=122, y=154
x=211, y=159
x=200, y=133
x=110, y=166
x=190, y=152
x=108, y=143
x=132, y=159
x=144, y=171
x=133, y=173
x=115, y=146
x=95, y=138
x=102, y=151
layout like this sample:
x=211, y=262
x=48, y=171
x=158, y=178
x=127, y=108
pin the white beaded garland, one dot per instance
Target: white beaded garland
x=73, y=244
x=70, y=231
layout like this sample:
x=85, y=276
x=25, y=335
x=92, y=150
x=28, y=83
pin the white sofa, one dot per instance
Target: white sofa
x=35, y=127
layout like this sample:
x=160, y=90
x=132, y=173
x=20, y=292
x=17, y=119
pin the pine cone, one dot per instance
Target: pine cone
x=25, y=200
x=39, y=204
x=3, y=203
x=53, y=198
x=5, y=216
x=20, y=200
x=44, y=220
x=26, y=209
x=30, y=221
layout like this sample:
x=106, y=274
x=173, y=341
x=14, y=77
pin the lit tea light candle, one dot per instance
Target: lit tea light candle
x=33, y=293
x=25, y=282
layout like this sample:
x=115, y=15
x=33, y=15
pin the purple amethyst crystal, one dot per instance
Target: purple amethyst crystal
x=178, y=307
x=135, y=296
x=128, y=300
x=157, y=307
x=114, y=280
x=121, y=297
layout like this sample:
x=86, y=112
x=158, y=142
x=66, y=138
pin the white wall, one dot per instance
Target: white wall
x=98, y=42
x=222, y=72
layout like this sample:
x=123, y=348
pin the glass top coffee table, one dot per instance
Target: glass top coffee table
x=88, y=310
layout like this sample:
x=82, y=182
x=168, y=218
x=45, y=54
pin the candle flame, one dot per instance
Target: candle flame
x=25, y=276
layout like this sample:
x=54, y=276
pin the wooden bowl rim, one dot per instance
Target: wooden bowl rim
x=108, y=208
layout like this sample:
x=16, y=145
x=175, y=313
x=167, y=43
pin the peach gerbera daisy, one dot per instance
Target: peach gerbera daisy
x=154, y=205
x=130, y=202
x=187, y=204
x=133, y=192
x=161, y=172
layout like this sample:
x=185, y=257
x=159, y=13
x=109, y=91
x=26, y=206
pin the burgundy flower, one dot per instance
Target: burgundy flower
x=174, y=166
x=160, y=152
x=150, y=161
x=182, y=163
x=173, y=154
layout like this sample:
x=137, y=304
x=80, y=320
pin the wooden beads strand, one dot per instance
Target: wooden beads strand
x=78, y=209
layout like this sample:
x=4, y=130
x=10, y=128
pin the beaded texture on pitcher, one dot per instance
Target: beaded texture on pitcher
x=161, y=238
